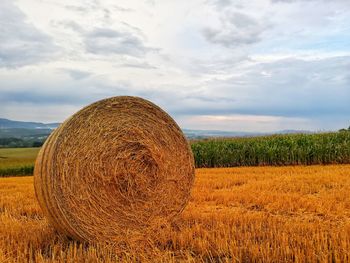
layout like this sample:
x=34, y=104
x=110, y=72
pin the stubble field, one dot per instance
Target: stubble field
x=247, y=214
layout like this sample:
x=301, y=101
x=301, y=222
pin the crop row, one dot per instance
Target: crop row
x=294, y=149
x=17, y=171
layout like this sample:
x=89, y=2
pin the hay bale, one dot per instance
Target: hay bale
x=117, y=166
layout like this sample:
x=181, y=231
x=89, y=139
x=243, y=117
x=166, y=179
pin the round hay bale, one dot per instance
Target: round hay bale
x=117, y=166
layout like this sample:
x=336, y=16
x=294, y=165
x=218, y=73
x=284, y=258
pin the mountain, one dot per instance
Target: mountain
x=10, y=124
x=24, y=134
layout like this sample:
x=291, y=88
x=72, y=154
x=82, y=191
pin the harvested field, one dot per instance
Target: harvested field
x=247, y=214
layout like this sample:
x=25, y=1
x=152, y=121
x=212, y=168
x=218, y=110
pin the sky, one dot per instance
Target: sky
x=232, y=65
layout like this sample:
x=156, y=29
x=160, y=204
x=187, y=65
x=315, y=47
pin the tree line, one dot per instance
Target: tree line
x=19, y=143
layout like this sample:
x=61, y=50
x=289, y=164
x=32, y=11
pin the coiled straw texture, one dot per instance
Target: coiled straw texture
x=118, y=165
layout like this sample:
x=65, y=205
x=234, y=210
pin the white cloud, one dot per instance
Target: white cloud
x=21, y=43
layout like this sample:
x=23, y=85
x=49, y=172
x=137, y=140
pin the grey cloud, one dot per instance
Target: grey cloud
x=123, y=40
x=76, y=8
x=142, y=65
x=241, y=20
x=60, y=92
x=135, y=29
x=105, y=41
x=315, y=89
x=77, y=74
x=217, y=65
x=88, y=5
x=71, y=25
x=237, y=29
x=105, y=12
x=151, y=2
x=230, y=38
x=33, y=96
x=20, y=42
x=122, y=9
x=109, y=41
x=224, y=4
x=95, y=5
x=293, y=1
x=289, y=87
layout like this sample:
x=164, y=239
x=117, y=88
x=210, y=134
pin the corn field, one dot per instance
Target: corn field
x=305, y=149
x=17, y=161
x=292, y=149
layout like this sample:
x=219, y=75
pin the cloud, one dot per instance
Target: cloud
x=293, y=1
x=63, y=86
x=236, y=29
x=244, y=122
x=219, y=64
x=142, y=65
x=222, y=4
x=37, y=112
x=77, y=74
x=69, y=24
x=122, y=9
x=122, y=39
x=20, y=42
x=292, y=87
x=106, y=41
x=289, y=90
x=80, y=9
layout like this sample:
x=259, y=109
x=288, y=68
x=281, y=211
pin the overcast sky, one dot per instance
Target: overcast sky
x=258, y=65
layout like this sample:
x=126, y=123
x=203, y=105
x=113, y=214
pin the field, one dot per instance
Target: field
x=17, y=161
x=293, y=149
x=244, y=214
x=290, y=149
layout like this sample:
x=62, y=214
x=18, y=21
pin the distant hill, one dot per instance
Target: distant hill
x=38, y=131
x=10, y=124
x=24, y=134
x=294, y=132
x=197, y=134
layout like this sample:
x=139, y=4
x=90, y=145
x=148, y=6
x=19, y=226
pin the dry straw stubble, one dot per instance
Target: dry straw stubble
x=118, y=166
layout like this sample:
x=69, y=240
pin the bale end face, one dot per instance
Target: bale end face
x=117, y=166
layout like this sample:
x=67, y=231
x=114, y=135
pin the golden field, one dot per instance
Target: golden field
x=246, y=214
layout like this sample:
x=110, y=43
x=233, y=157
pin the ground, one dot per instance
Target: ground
x=17, y=157
x=248, y=214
